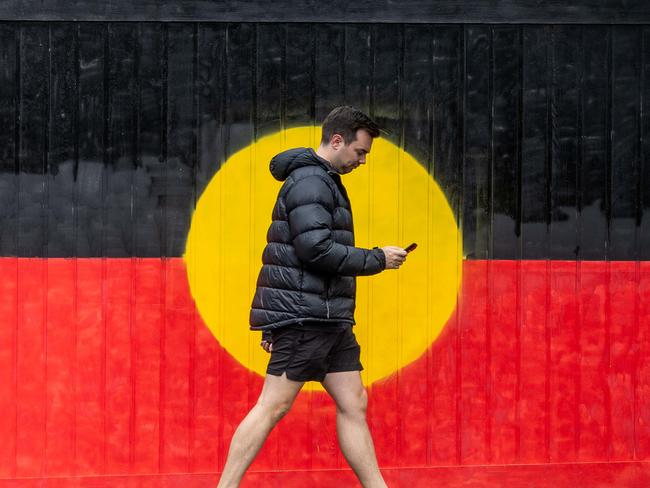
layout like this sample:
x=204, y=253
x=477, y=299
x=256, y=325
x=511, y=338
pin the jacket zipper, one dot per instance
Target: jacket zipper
x=327, y=297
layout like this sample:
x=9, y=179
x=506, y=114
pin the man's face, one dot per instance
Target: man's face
x=351, y=156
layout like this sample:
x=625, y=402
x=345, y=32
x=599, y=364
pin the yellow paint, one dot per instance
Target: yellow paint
x=394, y=202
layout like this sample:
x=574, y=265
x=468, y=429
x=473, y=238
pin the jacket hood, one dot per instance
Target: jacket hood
x=284, y=163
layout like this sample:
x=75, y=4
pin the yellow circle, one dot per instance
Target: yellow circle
x=399, y=313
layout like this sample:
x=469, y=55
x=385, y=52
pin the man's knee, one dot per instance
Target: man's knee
x=275, y=410
x=355, y=403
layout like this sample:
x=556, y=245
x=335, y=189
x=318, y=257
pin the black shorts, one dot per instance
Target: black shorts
x=309, y=353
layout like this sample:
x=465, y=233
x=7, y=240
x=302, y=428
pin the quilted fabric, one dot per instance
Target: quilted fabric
x=310, y=262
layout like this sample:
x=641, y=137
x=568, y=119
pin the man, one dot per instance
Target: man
x=305, y=297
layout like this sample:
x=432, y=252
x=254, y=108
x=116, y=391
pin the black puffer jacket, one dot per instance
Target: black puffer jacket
x=310, y=262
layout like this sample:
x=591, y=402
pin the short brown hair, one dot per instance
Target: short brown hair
x=346, y=120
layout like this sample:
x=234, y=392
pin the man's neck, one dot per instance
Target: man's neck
x=324, y=156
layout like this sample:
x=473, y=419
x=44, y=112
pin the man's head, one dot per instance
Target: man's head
x=347, y=138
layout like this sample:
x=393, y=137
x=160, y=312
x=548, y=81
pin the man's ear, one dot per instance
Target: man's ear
x=336, y=141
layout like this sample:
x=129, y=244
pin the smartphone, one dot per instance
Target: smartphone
x=410, y=247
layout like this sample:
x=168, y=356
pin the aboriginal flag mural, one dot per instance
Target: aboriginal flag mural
x=512, y=348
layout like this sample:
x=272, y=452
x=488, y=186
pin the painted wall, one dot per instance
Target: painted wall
x=512, y=348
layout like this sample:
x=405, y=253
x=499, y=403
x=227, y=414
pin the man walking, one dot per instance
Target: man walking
x=305, y=297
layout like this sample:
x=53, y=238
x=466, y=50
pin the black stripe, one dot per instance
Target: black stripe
x=537, y=134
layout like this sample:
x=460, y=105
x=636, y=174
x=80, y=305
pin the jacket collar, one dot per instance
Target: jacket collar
x=328, y=166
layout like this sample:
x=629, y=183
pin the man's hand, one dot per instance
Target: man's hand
x=395, y=256
x=266, y=345
x=267, y=339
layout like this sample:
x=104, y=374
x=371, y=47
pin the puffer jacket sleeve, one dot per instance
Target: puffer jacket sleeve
x=310, y=205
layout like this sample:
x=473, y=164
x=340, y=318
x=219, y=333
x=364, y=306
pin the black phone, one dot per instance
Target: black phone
x=410, y=247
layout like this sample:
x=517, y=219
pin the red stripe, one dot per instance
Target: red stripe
x=108, y=369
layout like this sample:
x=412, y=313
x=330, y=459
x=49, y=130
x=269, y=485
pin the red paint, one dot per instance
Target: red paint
x=108, y=369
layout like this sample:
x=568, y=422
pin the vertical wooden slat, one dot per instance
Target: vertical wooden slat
x=238, y=128
x=401, y=226
x=548, y=44
x=608, y=216
x=225, y=429
x=387, y=47
x=489, y=274
x=444, y=424
x=532, y=406
x=276, y=38
x=358, y=67
x=328, y=92
x=60, y=241
x=642, y=421
x=416, y=109
x=89, y=441
x=31, y=350
x=475, y=192
x=624, y=234
x=592, y=230
x=299, y=86
x=520, y=311
x=146, y=314
x=209, y=419
x=505, y=178
x=271, y=60
x=118, y=241
x=177, y=207
x=564, y=354
x=164, y=116
x=180, y=269
x=430, y=250
x=9, y=93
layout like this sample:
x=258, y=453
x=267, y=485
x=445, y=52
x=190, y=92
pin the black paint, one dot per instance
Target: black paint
x=538, y=134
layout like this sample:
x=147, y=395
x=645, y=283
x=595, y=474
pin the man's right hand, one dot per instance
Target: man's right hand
x=395, y=256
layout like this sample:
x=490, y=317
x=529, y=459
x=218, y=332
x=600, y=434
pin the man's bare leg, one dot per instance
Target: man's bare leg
x=351, y=399
x=278, y=393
